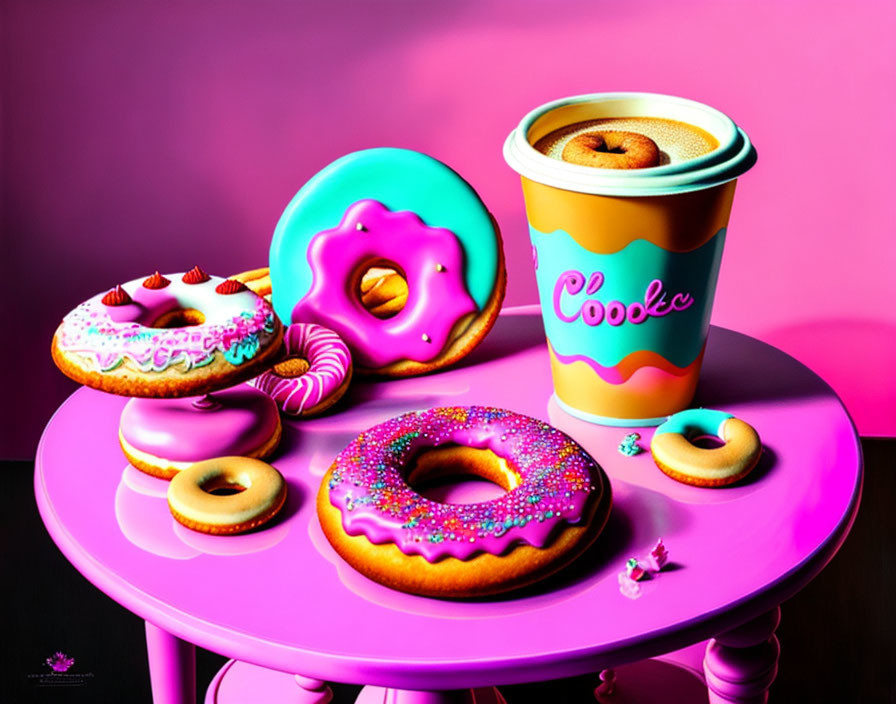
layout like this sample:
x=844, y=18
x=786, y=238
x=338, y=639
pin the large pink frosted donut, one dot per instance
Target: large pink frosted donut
x=315, y=373
x=556, y=503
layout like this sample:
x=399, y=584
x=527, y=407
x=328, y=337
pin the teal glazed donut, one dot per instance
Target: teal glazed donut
x=675, y=453
x=400, y=209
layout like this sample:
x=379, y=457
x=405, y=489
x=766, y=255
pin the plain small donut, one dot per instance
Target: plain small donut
x=315, y=374
x=612, y=150
x=252, y=492
x=556, y=504
x=676, y=454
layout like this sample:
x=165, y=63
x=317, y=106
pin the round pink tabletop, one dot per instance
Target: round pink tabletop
x=281, y=598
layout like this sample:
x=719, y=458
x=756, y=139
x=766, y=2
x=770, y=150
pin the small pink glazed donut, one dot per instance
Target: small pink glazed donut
x=163, y=436
x=314, y=375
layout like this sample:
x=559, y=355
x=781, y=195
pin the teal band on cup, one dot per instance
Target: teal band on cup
x=665, y=299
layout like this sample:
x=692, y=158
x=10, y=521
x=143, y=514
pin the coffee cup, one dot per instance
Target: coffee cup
x=627, y=260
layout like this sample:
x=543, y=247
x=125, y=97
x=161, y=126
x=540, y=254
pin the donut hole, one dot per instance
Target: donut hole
x=179, y=318
x=228, y=490
x=609, y=147
x=602, y=142
x=707, y=442
x=292, y=367
x=454, y=474
x=225, y=486
x=382, y=289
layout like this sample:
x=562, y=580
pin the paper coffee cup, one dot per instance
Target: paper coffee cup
x=626, y=261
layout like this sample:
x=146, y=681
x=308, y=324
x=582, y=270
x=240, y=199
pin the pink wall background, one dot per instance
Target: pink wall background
x=146, y=135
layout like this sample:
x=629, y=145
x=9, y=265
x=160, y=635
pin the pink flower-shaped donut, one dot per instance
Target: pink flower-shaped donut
x=314, y=375
x=400, y=211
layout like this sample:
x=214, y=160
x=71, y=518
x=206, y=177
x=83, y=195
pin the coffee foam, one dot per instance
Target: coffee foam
x=677, y=141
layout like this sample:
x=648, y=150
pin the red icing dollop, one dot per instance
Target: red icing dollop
x=195, y=276
x=230, y=286
x=156, y=281
x=116, y=297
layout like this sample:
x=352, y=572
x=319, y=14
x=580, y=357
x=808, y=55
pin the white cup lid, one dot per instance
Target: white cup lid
x=734, y=155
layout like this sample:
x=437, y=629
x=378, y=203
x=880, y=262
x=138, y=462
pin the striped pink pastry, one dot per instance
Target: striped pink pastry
x=314, y=375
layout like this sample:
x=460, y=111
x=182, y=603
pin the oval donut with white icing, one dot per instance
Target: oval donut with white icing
x=168, y=336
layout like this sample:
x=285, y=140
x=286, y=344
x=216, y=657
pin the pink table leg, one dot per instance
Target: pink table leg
x=172, y=667
x=741, y=664
x=317, y=691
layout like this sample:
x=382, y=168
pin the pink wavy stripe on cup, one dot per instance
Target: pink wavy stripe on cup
x=631, y=363
x=329, y=361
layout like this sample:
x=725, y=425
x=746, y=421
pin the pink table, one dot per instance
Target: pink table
x=281, y=599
